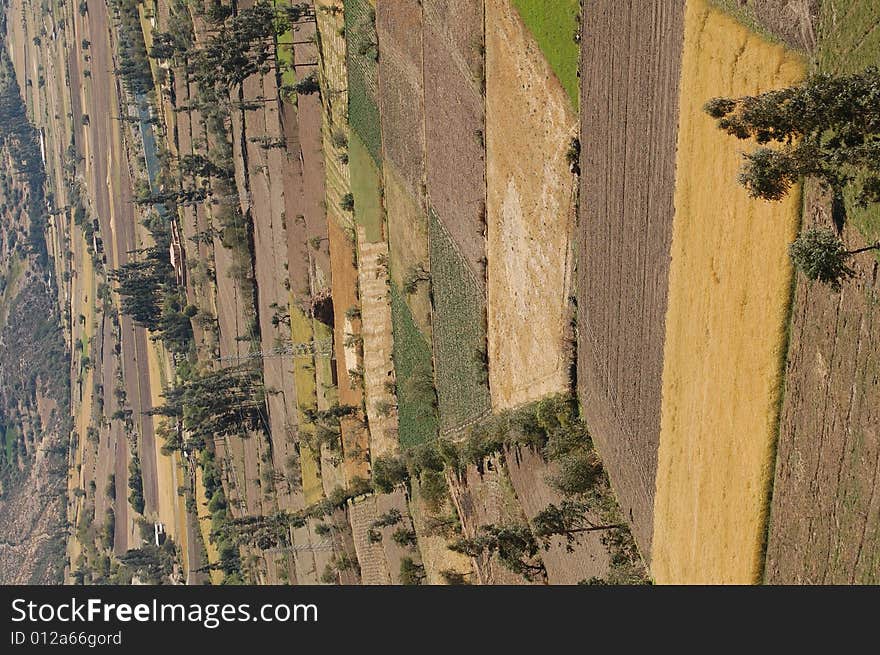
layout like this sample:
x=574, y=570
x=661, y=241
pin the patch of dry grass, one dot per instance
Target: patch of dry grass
x=729, y=296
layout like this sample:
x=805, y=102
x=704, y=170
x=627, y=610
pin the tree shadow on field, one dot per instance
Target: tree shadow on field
x=838, y=212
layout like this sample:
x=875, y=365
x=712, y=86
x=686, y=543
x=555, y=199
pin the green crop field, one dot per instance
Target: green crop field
x=365, y=189
x=554, y=25
x=363, y=74
x=10, y=436
x=850, y=42
x=459, y=333
x=416, y=410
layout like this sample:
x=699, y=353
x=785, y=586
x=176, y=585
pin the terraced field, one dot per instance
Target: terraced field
x=416, y=402
x=363, y=85
x=715, y=459
x=824, y=521
x=459, y=334
x=486, y=303
x=626, y=215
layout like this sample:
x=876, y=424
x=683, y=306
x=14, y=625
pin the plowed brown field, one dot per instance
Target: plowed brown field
x=631, y=58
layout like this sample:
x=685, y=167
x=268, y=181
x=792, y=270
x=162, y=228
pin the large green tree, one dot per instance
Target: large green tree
x=820, y=255
x=827, y=127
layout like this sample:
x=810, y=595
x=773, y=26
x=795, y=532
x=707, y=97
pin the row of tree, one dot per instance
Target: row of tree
x=227, y=402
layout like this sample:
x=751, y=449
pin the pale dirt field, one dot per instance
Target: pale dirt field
x=530, y=213
x=728, y=301
x=376, y=332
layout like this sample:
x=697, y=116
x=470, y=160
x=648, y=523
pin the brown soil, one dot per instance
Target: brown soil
x=566, y=563
x=267, y=206
x=629, y=103
x=394, y=552
x=401, y=90
x=355, y=439
x=825, y=513
x=455, y=122
x=484, y=498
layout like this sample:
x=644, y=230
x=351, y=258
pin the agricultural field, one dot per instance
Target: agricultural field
x=416, y=399
x=363, y=84
x=438, y=292
x=824, y=524
x=625, y=226
x=455, y=125
x=555, y=28
x=715, y=460
x=459, y=334
x=530, y=214
x=366, y=192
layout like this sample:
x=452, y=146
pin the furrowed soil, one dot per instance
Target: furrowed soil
x=729, y=295
x=401, y=90
x=630, y=64
x=825, y=516
x=455, y=122
x=531, y=207
x=374, y=567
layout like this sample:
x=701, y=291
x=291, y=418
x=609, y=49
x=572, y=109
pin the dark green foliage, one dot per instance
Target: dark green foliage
x=411, y=573
x=142, y=283
x=389, y=518
x=827, y=127
x=347, y=202
x=388, y=472
x=135, y=485
x=820, y=255
x=226, y=402
x=433, y=490
x=22, y=141
x=152, y=564
x=579, y=471
x=567, y=519
x=242, y=46
x=416, y=397
x=514, y=544
x=404, y=537
x=134, y=66
x=460, y=349
x=327, y=431
x=308, y=85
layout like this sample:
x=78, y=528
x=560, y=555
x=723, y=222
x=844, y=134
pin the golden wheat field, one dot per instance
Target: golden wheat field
x=728, y=304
